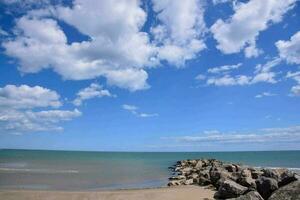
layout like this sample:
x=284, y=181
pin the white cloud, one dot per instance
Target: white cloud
x=20, y=122
x=24, y=96
x=294, y=75
x=228, y=80
x=134, y=110
x=129, y=107
x=3, y=32
x=215, y=2
x=17, y=105
x=262, y=73
x=116, y=45
x=269, y=135
x=242, y=29
x=224, y=68
x=295, y=90
x=200, y=77
x=290, y=50
x=265, y=94
x=92, y=91
x=180, y=31
x=116, y=49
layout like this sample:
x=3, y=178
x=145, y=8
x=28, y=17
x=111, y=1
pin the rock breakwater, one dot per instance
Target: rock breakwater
x=235, y=181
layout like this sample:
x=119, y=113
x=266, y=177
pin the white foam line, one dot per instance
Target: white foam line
x=39, y=170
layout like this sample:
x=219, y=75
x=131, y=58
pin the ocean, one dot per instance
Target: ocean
x=80, y=170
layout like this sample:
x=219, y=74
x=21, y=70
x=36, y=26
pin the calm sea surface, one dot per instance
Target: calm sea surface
x=75, y=170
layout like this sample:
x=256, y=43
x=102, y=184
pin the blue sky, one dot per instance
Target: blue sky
x=197, y=75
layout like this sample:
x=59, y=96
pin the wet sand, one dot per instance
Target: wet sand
x=172, y=193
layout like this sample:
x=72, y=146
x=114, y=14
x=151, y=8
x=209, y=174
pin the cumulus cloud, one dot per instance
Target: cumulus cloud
x=116, y=48
x=179, y=35
x=242, y=29
x=268, y=135
x=290, y=49
x=265, y=94
x=20, y=122
x=25, y=96
x=17, y=110
x=93, y=91
x=135, y=111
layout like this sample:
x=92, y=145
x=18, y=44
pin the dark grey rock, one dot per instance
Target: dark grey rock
x=265, y=186
x=253, y=195
x=287, y=192
x=230, y=189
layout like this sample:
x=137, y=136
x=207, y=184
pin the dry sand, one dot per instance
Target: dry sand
x=173, y=193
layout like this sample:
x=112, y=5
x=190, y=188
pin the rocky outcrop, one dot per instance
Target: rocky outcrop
x=230, y=189
x=253, y=195
x=288, y=192
x=235, y=181
x=265, y=186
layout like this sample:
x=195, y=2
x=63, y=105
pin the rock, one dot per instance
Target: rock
x=253, y=195
x=203, y=181
x=192, y=162
x=246, y=173
x=186, y=170
x=177, y=177
x=282, y=176
x=194, y=176
x=175, y=183
x=204, y=173
x=189, y=182
x=287, y=177
x=230, y=189
x=247, y=182
x=265, y=186
x=230, y=167
x=287, y=192
x=199, y=164
x=177, y=169
x=256, y=173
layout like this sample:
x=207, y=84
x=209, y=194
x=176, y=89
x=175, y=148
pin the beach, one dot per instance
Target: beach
x=166, y=193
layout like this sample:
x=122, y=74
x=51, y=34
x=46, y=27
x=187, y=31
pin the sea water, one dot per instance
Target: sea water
x=80, y=170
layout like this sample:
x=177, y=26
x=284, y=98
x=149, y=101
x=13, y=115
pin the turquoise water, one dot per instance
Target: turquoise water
x=75, y=170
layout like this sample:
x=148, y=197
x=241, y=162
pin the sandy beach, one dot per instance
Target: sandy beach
x=173, y=193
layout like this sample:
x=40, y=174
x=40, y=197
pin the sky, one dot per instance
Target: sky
x=159, y=75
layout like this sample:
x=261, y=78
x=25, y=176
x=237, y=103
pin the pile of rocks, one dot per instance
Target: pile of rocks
x=237, y=181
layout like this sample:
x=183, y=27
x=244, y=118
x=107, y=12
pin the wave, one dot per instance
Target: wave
x=39, y=170
x=295, y=169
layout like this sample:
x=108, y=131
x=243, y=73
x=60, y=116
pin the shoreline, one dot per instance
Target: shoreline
x=166, y=193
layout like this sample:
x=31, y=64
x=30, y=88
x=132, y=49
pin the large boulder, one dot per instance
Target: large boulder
x=247, y=182
x=253, y=195
x=265, y=186
x=287, y=192
x=230, y=189
x=282, y=176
